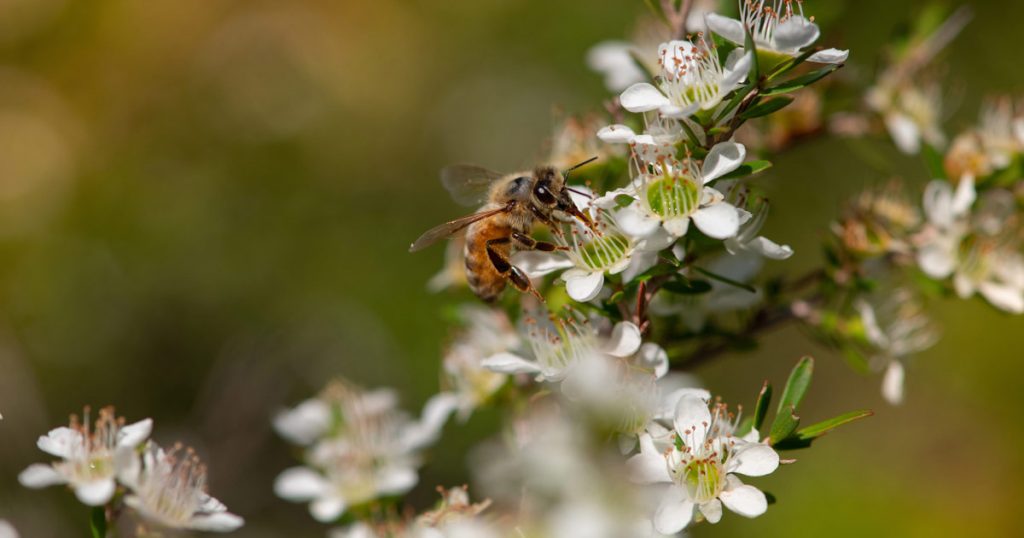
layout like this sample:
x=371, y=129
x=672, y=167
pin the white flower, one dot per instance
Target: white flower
x=372, y=449
x=92, y=459
x=897, y=326
x=614, y=60
x=692, y=79
x=912, y=114
x=776, y=28
x=7, y=530
x=559, y=346
x=747, y=239
x=169, y=490
x=694, y=310
x=488, y=332
x=990, y=266
x=680, y=193
x=701, y=467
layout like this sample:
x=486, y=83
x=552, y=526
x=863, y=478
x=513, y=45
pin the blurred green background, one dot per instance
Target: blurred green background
x=205, y=207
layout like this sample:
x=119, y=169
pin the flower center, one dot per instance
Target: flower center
x=673, y=197
x=703, y=478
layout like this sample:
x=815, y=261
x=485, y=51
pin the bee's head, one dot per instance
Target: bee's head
x=551, y=194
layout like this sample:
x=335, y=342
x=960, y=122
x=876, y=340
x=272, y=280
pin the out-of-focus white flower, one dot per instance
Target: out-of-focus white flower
x=747, y=239
x=680, y=193
x=558, y=346
x=92, y=459
x=897, y=327
x=778, y=30
x=950, y=245
x=615, y=60
x=723, y=297
x=371, y=449
x=488, y=332
x=7, y=530
x=701, y=465
x=912, y=113
x=692, y=79
x=168, y=489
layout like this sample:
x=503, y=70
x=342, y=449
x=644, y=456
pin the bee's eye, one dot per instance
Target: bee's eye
x=544, y=195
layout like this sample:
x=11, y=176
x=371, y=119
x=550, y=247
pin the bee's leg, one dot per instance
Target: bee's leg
x=530, y=243
x=514, y=274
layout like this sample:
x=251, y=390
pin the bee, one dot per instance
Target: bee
x=512, y=204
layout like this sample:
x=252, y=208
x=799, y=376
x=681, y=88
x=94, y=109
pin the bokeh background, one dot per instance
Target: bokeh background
x=205, y=207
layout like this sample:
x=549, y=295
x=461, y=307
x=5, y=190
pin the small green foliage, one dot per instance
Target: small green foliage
x=766, y=107
x=724, y=279
x=801, y=82
x=98, y=522
x=748, y=169
x=687, y=286
x=804, y=436
x=784, y=425
x=797, y=385
x=764, y=399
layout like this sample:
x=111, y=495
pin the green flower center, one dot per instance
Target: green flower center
x=703, y=479
x=673, y=197
x=603, y=252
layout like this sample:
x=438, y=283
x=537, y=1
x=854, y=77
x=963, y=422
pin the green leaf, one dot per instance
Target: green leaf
x=616, y=297
x=748, y=169
x=805, y=436
x=761, y=408
x=770, y=498
x=796, y=386
x=933, y=160
x=766, y=107
x=821, y=428
x=744, y=427
x=750, y=47
x=801, y=81
x=623, y=200
x=789, y=64
x=98, y=522
x=725, y=279
x=687, y=287
x=784, y=425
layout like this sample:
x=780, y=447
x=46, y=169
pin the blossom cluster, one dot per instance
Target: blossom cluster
x=111, y=460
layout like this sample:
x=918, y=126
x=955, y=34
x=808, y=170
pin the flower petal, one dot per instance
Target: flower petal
x=677, y=227
x=1007, y=298
x=304, y=423
x=829, y=56
x=396, y=480
x=754, y=459
x=674, y=513
x=745, y=500
x=536, y=263
x=508, y=363
x=892, y=383
x=635, y=222
x=718, y=221
x=726, y=27
x=712, y=510
x=40, y=475
x=625, y=339
x=327, y=509
x=133, y=434
x=642, y=97
x=692, y=415
x=616, y=134
x=219, y=522
x=649, y=466
x=769, y=249
x=655, y=357
x=722, y=159
x=97, y=492
x=300, y=484
x=964, y=196
x=583, y=286
x=737, y=66
x=794, y=34
x=435, y=414
x=904, y=132
x=60, y=442
x=935, y=261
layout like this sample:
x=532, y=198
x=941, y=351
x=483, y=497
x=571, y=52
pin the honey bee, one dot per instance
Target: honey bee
x=512, y=204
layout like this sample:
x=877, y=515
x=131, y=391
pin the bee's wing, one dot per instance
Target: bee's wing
x=467, y=183
x=444, y=230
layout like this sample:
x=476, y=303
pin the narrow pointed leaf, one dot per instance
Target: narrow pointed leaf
x=687, y=287
x=784, y=425
x=98, y=522
x=766, y=107
x=801, y=81
x=796, y=386
x=750, y=47
x=748, y=169
x=763, y=401
x=805, y=436
x=725, y=279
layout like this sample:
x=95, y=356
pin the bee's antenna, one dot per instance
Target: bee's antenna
x=575, y=166
x=579, y=192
